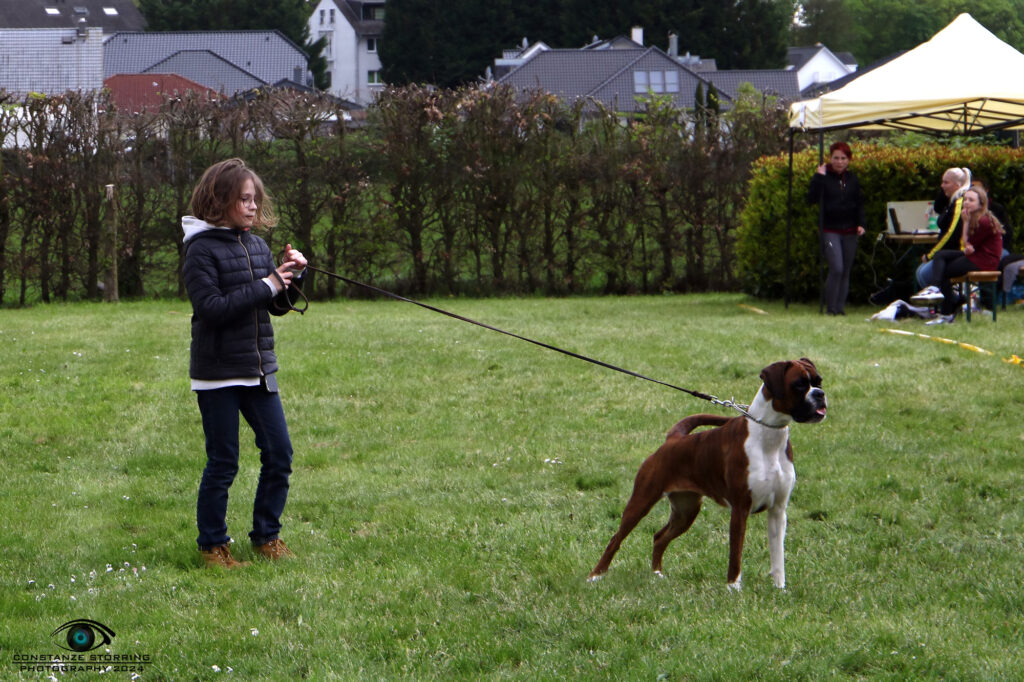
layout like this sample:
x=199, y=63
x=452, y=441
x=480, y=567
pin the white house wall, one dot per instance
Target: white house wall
x=348, y=59
x=821, y=68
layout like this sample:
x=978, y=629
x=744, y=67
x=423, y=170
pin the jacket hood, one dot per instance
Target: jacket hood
x=193, y=226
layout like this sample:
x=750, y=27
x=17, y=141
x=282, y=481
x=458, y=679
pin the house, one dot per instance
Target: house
x=52, y=46
x=514, y=58
x=51, y=61
x=617, y=70
x=818, y=90
x=224, y=61
x=616, y=77
x=135, y=92
x=110, y=15
x=816, y=66
x=352, y=30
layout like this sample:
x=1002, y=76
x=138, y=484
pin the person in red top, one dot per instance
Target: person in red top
x=982, y=249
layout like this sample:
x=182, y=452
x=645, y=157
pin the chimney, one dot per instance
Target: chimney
x=637, y=34
x=673, y=45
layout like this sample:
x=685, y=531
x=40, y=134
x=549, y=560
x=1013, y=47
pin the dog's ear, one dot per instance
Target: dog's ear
x=809, y=363
x=774, y=378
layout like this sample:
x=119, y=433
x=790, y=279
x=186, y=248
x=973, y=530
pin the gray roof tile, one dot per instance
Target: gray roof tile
x=50, y=60
x=267, y=55
x=779, y=82
x=208, y=69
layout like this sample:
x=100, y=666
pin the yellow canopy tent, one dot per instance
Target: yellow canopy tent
x=964, y=80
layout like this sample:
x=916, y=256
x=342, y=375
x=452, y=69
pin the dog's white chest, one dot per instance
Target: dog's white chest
x=770, y=474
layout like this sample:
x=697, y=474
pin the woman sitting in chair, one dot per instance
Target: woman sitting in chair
x=982, y=247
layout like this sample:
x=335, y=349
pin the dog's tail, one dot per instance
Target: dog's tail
x=695, y=421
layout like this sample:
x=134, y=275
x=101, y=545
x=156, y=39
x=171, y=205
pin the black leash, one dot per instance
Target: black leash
x=397, y=297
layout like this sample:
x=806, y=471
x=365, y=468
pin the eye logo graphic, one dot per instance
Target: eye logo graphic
x=82, y=635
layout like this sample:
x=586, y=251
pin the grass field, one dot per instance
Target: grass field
x=453, y=487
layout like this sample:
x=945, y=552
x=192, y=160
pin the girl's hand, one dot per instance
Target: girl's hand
x=283, y=276
x=968, y=249
x=860, y=230
x=295, y=257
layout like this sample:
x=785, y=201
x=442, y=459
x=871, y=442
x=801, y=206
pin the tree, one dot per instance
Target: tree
x=287, y=16
x=443, y=44
x=449, y=44
x=874, y=29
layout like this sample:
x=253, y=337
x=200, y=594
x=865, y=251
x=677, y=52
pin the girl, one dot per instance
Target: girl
x=234, y=288
x=836, y=191
x=982, y=250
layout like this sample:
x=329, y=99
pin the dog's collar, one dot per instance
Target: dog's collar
x=742, y=409
x=762, y=422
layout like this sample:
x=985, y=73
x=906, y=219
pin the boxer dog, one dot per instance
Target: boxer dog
x=744, y=463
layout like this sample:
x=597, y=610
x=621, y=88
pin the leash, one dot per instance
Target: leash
x=742, y=409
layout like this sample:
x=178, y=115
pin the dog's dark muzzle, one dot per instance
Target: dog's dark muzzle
x=813, y=409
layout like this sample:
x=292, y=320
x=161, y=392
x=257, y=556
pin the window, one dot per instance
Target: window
x=110, y=11
x=640, y=81
x=322, y=15
x=373, y=12
x=671, y=81
x=373, y=78
x=371, y=44
x=657, y=80
x=332, y=16
x=53, y=11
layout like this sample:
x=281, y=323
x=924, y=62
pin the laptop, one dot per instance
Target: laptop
x=907, y=217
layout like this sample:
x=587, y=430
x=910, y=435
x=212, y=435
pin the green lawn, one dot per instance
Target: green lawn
x=453, y=487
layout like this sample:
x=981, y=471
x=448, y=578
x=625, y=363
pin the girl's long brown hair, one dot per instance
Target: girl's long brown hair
x=220, y=188
x=976, y=217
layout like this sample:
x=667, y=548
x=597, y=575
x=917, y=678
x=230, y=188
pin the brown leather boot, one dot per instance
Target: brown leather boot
x=274, y=550
x=220, y=556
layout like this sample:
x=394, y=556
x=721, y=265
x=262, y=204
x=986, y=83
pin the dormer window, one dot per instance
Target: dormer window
x=373, y=12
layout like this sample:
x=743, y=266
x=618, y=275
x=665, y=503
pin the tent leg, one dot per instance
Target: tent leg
x=821, y=230
x=789, y=221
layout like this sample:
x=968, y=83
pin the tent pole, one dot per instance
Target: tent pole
x=821, y=229
x=789, y=219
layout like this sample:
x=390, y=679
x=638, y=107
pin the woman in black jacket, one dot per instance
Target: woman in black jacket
x=234, y=288
x=835, y=189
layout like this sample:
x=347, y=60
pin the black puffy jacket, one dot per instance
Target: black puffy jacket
x=231, y=332
x=842, y=208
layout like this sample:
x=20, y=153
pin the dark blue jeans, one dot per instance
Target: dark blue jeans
x=262, y=410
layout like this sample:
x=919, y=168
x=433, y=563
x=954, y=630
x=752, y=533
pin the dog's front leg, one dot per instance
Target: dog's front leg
x=776, y=544
x=737, y=532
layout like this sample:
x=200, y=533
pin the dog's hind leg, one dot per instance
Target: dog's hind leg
x=643, y=499
x=685, y=507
